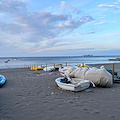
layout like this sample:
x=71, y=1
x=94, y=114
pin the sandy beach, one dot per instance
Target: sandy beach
x=29, y=95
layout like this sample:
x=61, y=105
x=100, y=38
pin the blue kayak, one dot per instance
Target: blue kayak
x=2, y=80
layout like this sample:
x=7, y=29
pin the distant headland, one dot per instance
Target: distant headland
x=116, y=59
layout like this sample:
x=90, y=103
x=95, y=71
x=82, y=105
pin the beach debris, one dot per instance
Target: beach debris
x=23, y=97
x=6, y=61
x=50, y=73
x=51, y=93
x=37, y=74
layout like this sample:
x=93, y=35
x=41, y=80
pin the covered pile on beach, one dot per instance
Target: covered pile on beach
x=100, y=76
x=29, y=95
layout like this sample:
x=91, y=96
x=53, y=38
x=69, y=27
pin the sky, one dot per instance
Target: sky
x=59, y=28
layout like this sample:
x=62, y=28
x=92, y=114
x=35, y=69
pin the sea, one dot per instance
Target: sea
x=24, y=62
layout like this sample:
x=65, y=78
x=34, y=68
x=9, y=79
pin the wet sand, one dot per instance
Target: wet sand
x=29, y=95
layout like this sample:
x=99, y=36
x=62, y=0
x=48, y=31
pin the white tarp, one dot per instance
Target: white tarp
x=101, y=77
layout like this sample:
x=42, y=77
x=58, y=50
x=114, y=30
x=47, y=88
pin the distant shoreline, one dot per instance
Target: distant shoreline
x=61, y=56
x=24, y=62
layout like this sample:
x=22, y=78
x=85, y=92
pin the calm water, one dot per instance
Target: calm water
x=71, y=60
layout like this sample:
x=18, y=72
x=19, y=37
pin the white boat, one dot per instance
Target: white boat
x=74, y=85
x=49, y=69
x=56, y=66
x=52, y=67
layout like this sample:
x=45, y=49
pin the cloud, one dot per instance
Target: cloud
x=67, y=51
x=100, y=23
x=109, y=6
x=17, y=7
x=29, y=30
x=91, y=32
x=106, y=6
x=11, y=28
x=116, y=3
x=73, y=23
x=63, y=4
x=66, y=6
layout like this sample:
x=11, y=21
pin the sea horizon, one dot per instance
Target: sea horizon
x=20, y=62
x=86, y=55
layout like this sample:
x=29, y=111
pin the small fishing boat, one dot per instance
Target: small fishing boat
x=56, y=66
x=72, y=85
x=2, y=80
x=37, y=68
x=52, y=67
x=49, y=69
x=82, y=65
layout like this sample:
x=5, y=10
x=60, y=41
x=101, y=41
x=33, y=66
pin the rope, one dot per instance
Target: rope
x=7, y=66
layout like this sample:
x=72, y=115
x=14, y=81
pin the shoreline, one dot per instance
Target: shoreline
x=29, y=95
x=71, y=60
x=107, y=65
x=68, y=63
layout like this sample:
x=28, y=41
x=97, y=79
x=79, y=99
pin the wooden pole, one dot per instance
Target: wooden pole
x=54, y=66
x=82, y=64
x=113, y=73
x=46, y=66
x=66, y=63
x=37, y=68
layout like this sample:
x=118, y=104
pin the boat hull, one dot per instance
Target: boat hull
x=80, y=86
x=49, y=69
x=2, y=80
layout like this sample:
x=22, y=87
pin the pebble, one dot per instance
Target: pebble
x=51, y=93
x=23, y=97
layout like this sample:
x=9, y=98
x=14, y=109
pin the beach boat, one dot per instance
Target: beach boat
x=73, y=85
x=49, y=69
x=82, y=65
x=37, y=68
x=56, y=66
x=2, y=80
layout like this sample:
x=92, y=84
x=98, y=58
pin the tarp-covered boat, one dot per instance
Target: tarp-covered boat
x=99, y=76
